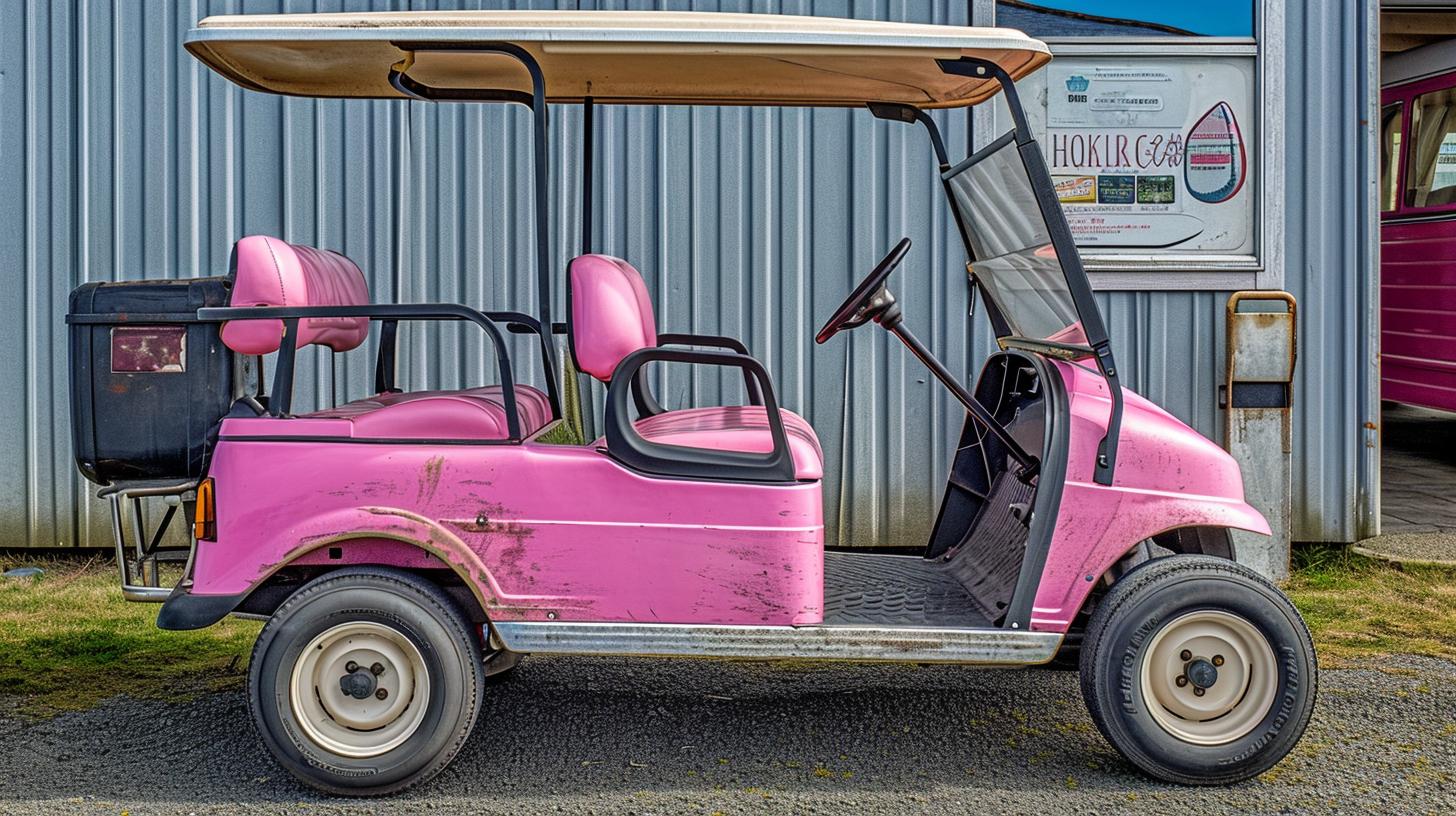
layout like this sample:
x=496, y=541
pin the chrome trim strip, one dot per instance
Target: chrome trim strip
x=1003, y=647
x=1417, y=218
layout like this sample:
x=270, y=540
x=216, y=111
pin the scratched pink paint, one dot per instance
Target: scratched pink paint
x=626, y=547
x=541, y=529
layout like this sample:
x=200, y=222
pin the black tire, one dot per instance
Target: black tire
x=447, y=648
x=1126, y=628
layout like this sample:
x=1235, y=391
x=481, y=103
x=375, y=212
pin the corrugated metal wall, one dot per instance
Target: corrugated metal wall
x=122, y=158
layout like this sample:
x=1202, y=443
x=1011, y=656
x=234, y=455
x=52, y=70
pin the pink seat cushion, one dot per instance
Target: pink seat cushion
x=736, y=428
x=272, y=272
x=611, y=315
x=472, y=414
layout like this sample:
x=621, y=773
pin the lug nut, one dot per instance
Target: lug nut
x=351, y=667
x=1185, y=655
x=1182, y=680
x=376, y=669
x=1197, y=692
x=381, y=694
x=1218, y=660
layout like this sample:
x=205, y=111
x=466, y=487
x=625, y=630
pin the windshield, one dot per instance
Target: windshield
x=1015, y=262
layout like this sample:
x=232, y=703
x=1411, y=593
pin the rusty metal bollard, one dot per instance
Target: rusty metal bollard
x=1257, y=399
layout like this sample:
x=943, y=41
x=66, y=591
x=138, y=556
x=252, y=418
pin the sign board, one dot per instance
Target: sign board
x=1152, y=154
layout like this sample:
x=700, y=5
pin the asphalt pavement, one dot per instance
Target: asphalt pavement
x=604, y=736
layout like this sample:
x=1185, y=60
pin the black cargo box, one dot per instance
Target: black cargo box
x=149, y=384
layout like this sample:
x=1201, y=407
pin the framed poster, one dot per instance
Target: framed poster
x=1152, y=155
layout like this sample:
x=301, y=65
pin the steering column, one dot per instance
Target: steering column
x=872, y=300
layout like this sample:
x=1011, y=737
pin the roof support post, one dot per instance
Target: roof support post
x=1067, y=256
x=588, y=137
x=536, y=101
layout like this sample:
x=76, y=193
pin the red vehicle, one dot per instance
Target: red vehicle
x=1418, y=229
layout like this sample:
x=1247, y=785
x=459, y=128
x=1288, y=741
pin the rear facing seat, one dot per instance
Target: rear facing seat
x=272, y=272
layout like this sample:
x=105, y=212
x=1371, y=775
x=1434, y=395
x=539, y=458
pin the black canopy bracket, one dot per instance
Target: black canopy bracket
x=1070, y=260
x=401, y=81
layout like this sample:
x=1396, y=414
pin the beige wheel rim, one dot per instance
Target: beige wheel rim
x=359, y=689
x=1209, y=677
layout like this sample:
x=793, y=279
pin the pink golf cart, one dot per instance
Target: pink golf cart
x=405, y=547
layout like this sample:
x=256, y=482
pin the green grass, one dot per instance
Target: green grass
x=68, y=640
x=1358, y=607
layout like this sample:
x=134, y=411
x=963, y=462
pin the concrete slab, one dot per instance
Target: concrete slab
x=1411, y=548
x=1418, y=471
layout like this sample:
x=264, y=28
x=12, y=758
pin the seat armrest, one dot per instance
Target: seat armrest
x=628, y=447
x=646, y=402
x=710, y=340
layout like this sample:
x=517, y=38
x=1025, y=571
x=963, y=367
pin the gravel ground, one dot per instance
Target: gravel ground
x=619, y=736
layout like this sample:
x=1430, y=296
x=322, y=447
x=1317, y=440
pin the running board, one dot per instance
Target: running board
x=996, y=647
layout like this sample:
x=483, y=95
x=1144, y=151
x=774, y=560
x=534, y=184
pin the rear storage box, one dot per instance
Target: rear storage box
x=149, y=384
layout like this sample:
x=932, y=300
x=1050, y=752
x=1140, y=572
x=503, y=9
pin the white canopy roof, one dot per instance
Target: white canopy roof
x=616, y=57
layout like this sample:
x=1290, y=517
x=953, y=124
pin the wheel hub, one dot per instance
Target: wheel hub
x=1209, y=677
x=359, y=689
x=1201, y=673
x=357, y=684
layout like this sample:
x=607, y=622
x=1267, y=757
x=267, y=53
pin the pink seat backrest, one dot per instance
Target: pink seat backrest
x=272, y=272
x=611, y=315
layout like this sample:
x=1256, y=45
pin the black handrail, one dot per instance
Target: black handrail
x=282, y=397
x=522, y=323
x=627, y=446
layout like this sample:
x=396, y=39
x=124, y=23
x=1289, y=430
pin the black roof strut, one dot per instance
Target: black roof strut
x=536, y=100
x=1066, y=249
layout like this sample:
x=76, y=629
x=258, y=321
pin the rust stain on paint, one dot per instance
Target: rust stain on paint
x=430, y=478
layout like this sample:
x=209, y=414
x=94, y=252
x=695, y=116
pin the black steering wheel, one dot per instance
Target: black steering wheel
x=868, y=299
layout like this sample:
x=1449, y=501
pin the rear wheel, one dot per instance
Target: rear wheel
x=1198, y=670
x=366, y=681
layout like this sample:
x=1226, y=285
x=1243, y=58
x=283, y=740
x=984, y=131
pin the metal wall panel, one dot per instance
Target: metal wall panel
x=1332, y=265
x=122, y=158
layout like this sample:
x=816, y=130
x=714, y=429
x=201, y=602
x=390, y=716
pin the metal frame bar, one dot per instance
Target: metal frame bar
x=281, y=398
x=515, y=322
x=588, y=149
x=148, y=548
x=910, y=115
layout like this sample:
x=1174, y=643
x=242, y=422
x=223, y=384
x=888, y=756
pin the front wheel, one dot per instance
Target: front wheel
x=366, y=681
x=1198, y=671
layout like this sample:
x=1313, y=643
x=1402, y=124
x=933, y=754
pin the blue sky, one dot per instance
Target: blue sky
x=1214, y=18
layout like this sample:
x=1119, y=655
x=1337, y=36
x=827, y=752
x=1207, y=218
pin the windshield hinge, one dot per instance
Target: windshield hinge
x=1106, y=463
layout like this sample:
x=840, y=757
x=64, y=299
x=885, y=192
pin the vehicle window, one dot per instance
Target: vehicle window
x=1015, y=263
x=1430, y=179
x=1128, y=18
x=1389, y=155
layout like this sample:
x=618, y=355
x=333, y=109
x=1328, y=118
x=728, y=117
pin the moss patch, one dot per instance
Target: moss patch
x=68, y=641
x=1359, y=607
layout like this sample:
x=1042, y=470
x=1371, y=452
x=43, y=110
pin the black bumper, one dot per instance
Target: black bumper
x=183, y=610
